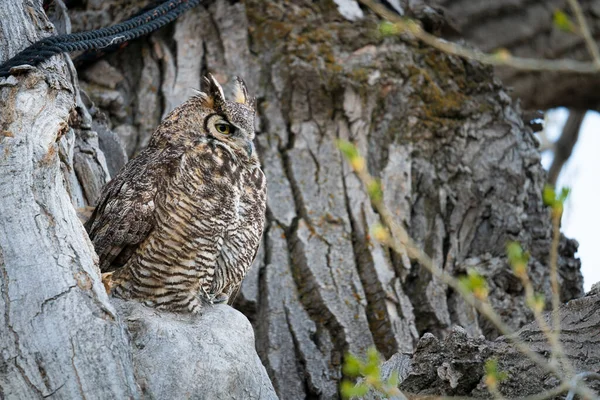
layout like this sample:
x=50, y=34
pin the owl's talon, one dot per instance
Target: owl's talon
x=195, y=306
x=149, y=303
x=220, y=299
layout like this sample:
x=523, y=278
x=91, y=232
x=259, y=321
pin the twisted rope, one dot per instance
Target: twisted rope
x=133, y=28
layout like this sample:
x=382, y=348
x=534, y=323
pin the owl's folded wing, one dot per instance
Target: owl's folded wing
x=124, y=216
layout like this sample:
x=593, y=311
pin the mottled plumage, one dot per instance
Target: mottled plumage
x=181, y=223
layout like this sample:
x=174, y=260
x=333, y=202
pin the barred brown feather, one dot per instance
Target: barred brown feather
x=181, y=224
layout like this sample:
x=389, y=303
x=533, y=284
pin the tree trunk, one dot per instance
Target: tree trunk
x=57, y=326
x=458, y=167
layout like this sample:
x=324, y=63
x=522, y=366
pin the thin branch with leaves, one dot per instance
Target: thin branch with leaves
x=473, y=287
x=585, y=32
x=397, y=25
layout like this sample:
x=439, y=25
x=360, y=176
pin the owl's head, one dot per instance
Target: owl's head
x=210, y=115
x=232, y=121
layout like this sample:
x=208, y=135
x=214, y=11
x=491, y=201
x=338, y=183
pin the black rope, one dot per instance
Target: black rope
x=133, y=28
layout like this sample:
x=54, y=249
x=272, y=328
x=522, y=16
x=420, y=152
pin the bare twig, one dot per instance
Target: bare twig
x=585, y=31
x=554, y=339
x=563, y=147
x=553, y=335
x=583, y=375
x=400, y=240
x=499, y=59
x=549, y=394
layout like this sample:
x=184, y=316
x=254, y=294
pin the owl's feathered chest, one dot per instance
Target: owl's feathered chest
x=214, y=172
x=208, y=222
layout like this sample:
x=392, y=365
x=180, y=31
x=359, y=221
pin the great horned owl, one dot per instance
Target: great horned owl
x=181, y=223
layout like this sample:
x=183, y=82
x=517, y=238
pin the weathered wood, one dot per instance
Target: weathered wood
x=60, y=336
x=201, y=356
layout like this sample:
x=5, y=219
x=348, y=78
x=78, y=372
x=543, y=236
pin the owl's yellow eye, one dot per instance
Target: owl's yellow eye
x=223, y=128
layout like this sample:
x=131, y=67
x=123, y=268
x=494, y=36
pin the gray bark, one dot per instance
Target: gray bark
x=457, y=163
x=458, y=166
x=455, y=366
x=59, y=331
x=181, y=356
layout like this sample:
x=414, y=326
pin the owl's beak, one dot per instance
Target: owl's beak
x=249, y=148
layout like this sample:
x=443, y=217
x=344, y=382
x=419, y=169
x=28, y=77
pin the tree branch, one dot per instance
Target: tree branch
x=563, y=147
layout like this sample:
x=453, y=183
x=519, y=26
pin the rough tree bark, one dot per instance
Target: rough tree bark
x=455, y=366
x=57, y=326
x=458, y=166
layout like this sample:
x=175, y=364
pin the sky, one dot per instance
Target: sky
x=581, y=218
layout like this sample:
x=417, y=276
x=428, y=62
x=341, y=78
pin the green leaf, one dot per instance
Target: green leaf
x=373, y=371
x=474, y=283
x=372, y=368
x=464, y=283
x=491, y=370
x=491, y=367
x=514, y=252
x=387, y=28
x=394, y=379
x=349, y=389
x=373, y=356
x=347, y=148
x=553, y=200
x=352, y=366
x=549, y=196
x=517, y=258
x=380, y=233
x=374, y=190
x=361, y=389
x=564, y=194
x=346, y=388
x=502, y=54
x=562, y=21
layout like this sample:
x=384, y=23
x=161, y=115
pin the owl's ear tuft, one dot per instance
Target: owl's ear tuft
x=212, y=93
x=207, y=101
x=240, y=92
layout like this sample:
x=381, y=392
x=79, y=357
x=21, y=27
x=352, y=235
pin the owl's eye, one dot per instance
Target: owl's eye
x=225, y=129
